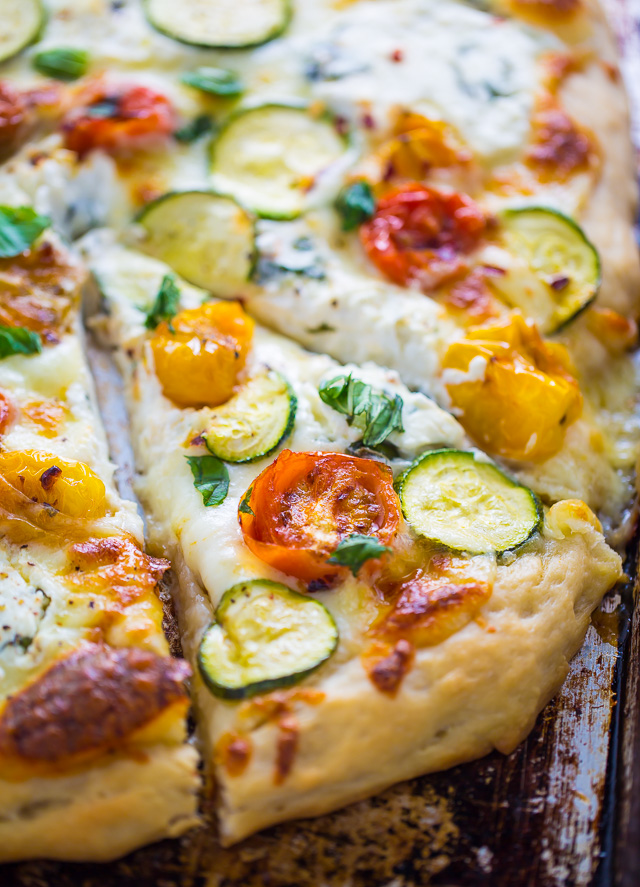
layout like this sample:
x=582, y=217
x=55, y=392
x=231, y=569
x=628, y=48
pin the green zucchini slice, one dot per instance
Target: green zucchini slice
x=20, y=24
x=220, y=24
x=454, y=499
x=255, y=421
x=265, y=636
x=206, y=238
x=561, y=273
x=271, y=157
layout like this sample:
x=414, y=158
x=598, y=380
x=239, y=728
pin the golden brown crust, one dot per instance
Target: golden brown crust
x=89, y=702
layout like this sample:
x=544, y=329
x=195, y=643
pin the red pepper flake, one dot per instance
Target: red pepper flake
x=397, y=55
x=368, y=122
x=287, y=747
x=49, y=477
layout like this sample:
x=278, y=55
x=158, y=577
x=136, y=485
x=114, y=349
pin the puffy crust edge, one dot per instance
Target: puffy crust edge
x=103, y=812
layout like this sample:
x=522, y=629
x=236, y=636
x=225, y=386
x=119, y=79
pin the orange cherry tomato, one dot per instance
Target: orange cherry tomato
x=72, y=488
x=512, y=391
x=119, y=119
x=199, y=354
x=420, y=237
x=305, y=504
x=13, y=118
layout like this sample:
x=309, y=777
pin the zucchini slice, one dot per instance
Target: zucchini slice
x=456, y=500
x=265, y=636
x=255, y=421
x=20, y=24
x=220, y=24
x=206, y=238
x=271, y=157
x=561, y=274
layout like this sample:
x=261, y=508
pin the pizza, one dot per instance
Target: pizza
x=368, y=271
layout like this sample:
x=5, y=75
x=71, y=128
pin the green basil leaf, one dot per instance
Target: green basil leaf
x=215, y=81
x=166, y=304
x=373, y=410
x=195, y=129
x=356, y=204
x=210, y=478
x=19, y=227
x=64, y=63
x=244, y=506
x=353, y=551
x=18, y=340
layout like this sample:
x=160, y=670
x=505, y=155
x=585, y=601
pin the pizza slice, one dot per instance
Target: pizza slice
x=363, y=596
x=93, y=760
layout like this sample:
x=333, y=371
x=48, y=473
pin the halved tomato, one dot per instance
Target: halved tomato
x=199, y=354
x=420, y=236
x=119, y=119
x=6, y=412
x=304, y=504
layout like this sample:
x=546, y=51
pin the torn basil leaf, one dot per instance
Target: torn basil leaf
x=215, y=81
x=166, y=304
x=353, y=551
x=210, y=478
x=355, y=203
x=19, y=227
x=18, y=340
x=371, y=409
x=106, y=108
x=195, y=129
x=64, y=63
x=244, y=507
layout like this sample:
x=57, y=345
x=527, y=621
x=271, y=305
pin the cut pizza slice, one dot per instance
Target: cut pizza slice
x=363, y=596
x=93, y=760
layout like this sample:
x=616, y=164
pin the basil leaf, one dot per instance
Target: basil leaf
x=244, y=506
x=18, y=340
x=215, y=81
x=353, y=551
x=19, y=227
x=210, y=478
x=166, y=304
x=370, y=408
x=356, y=204
x=195, y=129
x=63, y=64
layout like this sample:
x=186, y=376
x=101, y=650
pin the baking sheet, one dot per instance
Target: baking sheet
x=563, y=809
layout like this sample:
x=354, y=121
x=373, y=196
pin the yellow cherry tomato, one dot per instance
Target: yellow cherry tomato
x=512, y=391
x=199, y=354
x=70, y=487
x=419, y=145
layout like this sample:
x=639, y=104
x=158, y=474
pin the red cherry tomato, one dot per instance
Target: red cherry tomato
x=419, y=236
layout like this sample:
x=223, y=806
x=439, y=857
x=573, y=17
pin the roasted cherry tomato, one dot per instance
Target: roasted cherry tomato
x=512, y=391
x=70, y=487
x=305, y=504
x=13, y=117
x=421, y=237
x=119, y=120
x=199, y=354
x=6, y=412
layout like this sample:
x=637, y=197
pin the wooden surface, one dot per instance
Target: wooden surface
x=562, y=811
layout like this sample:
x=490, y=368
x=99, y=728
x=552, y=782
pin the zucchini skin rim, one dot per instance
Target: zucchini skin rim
x=512, y=481
x=235, y=694
x=35, y=35
x=293, y=104
x=288, y=428
x=277, y=31
x=579, y=230
x=207, y=192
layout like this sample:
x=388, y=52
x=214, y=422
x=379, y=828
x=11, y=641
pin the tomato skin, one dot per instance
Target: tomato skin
x=13, y=118
x=198, y=356
x=526, y=397
x=140, y=116
x=7, y=412
x=304, y=504
x=420, y=236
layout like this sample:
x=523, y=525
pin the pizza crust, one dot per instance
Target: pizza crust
x=102, y=812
